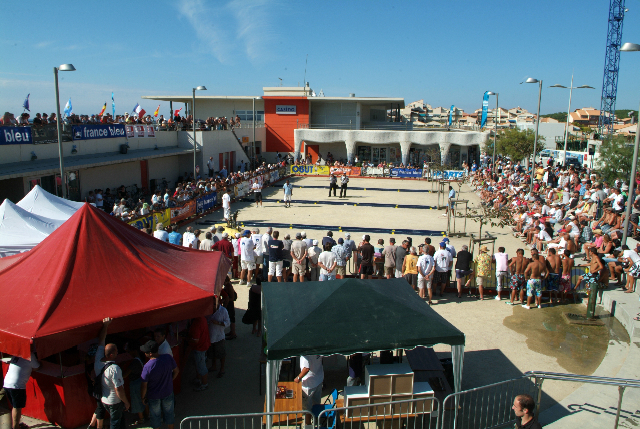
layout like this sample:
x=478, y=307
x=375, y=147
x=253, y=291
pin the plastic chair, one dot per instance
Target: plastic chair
x=331, y=415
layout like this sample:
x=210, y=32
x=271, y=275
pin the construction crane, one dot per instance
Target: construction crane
x=611, y=67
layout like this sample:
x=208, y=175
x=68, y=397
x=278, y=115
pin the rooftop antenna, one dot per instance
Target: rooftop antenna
x=306, y=61
x=280, y=81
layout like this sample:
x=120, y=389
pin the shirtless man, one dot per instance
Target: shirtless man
x=517, y=266
x=537, y=270
x=554, y=264
x=596, y=273
x=565, y=281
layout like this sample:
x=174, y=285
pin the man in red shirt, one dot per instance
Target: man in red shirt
x=199, y=343
x=224, y=246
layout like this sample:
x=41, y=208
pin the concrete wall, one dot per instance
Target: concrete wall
x=548, y=130
x=167, y=168
x=109, y=176
x=212, y=143
x=220, y=107
x=333, y=113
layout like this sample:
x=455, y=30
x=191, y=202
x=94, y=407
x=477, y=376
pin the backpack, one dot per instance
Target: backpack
x=95, y=387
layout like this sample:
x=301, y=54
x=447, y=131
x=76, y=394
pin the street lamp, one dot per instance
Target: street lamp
x=535, y=141
x=63, y=67
x=495, y=131
x=566, y=129
x=254, y=126
x=630, y=47
x=193, y=112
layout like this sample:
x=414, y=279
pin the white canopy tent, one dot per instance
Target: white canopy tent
x=40, y=202
x=25, y=224
x=20, y=230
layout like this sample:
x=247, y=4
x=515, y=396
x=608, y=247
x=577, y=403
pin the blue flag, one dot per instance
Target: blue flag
x=26, y=103
x=113, y=105
x=68, y=108
x=451, y=113
x=485, y=107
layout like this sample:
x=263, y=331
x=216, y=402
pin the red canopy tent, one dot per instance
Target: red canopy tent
x=55, y=296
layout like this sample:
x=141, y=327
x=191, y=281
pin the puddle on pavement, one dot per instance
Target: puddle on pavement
x=579, y=349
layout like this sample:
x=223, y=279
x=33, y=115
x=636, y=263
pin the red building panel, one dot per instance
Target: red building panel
x=279, y=128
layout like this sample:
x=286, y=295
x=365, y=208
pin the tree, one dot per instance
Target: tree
x=615, y=158
x=518, y=144
x=559, y=116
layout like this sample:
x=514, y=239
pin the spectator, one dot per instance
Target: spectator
x=218, y=322
x=157, y=384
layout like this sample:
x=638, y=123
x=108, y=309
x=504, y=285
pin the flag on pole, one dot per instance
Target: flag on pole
x=485, y=107
x=139, y=111
x=103, y=109
x=68, y=108
x=177, y=112
x=451, y=113
x=113, y=106
x=26, y=103
x=156, y=112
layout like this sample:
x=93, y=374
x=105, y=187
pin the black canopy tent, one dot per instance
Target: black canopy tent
x=349, y=316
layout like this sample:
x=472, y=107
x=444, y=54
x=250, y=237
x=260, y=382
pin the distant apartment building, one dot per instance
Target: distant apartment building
x=586, y=116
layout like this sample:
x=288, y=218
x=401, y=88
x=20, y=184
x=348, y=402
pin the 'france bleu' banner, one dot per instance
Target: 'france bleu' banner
x=15, y=135
x=206, y=202
x=406, y=172
x=91, y=132
x=450, y=113
x=485, y=107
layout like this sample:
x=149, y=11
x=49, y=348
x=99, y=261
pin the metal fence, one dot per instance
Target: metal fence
x=283, y=419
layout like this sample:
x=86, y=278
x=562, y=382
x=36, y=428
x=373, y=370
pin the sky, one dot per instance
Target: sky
x=447, y=53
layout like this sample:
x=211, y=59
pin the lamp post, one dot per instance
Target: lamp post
x=566, y=129
x=63, y=67
x=495, y=131
x=631, y=47
x=193, y=114
x=535, y=139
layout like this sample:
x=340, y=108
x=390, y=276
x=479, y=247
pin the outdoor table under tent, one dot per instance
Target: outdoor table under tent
x=349, y=316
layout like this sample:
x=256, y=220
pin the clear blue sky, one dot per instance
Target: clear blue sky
x=441, y=51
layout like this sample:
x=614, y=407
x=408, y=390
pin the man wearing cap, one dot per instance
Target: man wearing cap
x=247, y=258
x=349, y=246
x=226, y=205
x=313, y=253
x=483, y=269
x=341, y=259
x=444, y=261
x=389, y=253
x=299, y=258
x=288, y=193
x=343, y=185
x=258, y=247
x=157, y=384
x=224, y=246
x=160, y=233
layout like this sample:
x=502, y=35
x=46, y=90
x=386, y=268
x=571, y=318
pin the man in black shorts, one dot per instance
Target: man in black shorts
x=333, y=184
x=366, y=252
x=257, y=191
x=15, y=384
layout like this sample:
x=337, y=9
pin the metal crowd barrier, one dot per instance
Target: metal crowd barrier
x=281, y=419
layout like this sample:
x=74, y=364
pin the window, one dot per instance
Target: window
x=247, y=115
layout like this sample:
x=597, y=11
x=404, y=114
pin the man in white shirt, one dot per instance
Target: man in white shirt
x=443, y=261
x=313, y=253
x=189, y=239
x=226, y=205
x=264, y=245
x=218, y=322
x=247, y=258
x=311, y=376
x=99, y=199
x=160, y=337
x=257, y=191
x=426, y=267
x=210, y=165
x=15, y=384
x=502, y=270
x=258, y=248
x=160, y=233
x=327, y=262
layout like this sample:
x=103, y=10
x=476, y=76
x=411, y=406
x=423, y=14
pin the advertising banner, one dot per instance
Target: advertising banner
x=254, y=180
x=241, y=189
x=17, y=135
x=142, y=222
x=163, y=217
x=139, y=129
x=130, y=131
x=406, y=172
x=448, y=174
x=274, y=176
x=206, y=202
x=150, y=131
x=92, y=132
x=376, y=171
x=49, y=134
x=485, y=107
x=351, y=171
x=183, y=212
x=309, y=169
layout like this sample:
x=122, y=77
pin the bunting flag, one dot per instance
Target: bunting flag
x=156, y=112
x=103, y=109
x=68, y=108
x=485, y=107
x=177, y=112
x=25, y=105
x=113, y=106
x=451, y=113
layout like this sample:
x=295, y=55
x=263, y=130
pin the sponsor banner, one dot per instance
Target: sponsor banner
x=448, y=174
x=241, y=189
x=183, y=212
x=139, y=130
x=49, y=134
x=16, y=135
x=376, y=171
x=150, y=131
x=130, y=131
x=92, y=132
x=253, y=180
x=309, y=169
x=351, y=171
x=274, y=176
x=406, y=172
x=283, y=171
x=163, y=217
x=206, y=202
x=142, y=222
